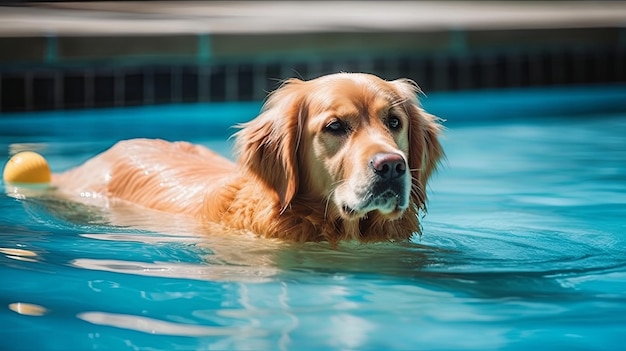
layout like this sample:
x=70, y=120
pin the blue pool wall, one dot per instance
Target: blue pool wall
x=96, y=71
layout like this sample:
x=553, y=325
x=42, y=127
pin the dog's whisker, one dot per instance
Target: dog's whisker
x=334, y=188
x=418, y=191
x=326, y=205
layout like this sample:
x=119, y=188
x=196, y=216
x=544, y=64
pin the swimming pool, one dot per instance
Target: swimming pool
x=524, y=246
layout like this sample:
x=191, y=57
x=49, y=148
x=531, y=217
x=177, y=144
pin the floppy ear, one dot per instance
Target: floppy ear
x=268, y=145
x=425, y=151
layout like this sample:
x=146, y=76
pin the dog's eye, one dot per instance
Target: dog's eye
x=336, y=127
x=394, y=123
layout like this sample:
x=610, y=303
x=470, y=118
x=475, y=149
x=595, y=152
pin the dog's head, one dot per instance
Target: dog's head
x=353, y=142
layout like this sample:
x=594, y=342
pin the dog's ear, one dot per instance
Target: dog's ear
x=268, y=145
x=425, y=151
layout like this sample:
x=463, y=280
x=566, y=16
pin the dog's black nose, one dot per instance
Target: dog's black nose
x=388, y=166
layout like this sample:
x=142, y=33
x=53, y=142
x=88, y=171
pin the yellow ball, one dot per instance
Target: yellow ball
x=27, y=167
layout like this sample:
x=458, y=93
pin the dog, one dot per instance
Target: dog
x=343, y=157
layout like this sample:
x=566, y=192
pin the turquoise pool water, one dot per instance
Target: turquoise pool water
x=524, y=247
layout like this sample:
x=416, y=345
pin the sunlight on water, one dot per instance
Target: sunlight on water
x=27, y=309
x=523, y=247
x=153, y=326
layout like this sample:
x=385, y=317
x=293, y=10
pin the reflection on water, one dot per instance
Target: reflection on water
x=27, y=309
x=154, y=326
x=180, y=270
x=523, y=247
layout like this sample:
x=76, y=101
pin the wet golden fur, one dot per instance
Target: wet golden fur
x=292, y=175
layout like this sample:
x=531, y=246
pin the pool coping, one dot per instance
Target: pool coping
x=266, y=17
x=214, y=31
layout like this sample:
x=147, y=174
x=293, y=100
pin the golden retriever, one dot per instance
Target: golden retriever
x=341, y=157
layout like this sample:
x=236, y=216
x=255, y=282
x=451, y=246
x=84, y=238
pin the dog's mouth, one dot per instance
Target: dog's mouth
x=389, y=203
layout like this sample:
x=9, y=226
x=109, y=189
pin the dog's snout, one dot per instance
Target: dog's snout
x=388, y=165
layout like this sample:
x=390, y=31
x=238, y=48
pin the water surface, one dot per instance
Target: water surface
x=523, y=247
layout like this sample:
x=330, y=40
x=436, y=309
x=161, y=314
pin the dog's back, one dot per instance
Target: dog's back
x=157, y=174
